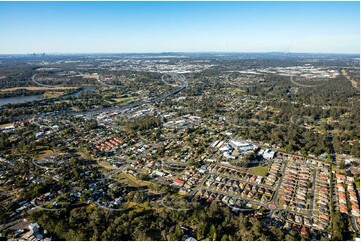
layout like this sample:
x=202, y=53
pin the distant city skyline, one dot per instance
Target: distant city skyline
x=156, y=27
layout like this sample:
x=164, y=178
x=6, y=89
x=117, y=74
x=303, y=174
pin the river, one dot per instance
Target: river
x=22, y=99
x=77, y=93
x=19, y=99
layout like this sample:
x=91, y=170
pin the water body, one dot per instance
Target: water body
x=19, y=99
x=22, y=99
x=77, y=93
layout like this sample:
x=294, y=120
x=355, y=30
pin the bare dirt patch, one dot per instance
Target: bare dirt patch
x=353, y=82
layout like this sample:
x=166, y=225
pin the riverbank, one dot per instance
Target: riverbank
x=28, y=98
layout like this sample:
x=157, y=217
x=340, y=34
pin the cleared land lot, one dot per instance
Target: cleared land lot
x=353, y=82
x=44, y=153
x=131, y=180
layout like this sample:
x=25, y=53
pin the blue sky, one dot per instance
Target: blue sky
x=90, y=27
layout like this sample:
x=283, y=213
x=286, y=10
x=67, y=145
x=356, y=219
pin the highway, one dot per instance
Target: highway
x=122, y=108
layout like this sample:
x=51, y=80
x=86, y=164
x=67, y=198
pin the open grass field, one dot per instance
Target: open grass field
x=139, y=206
x=258, y=170
x=85, y=154
x=12, y=139
x=124, y=99
x=77, y=109
x=89, y=76
x=44, y=153
x=106, y=165
x=235, y=90
x=131, y=180
x=53, y=94
x=64, y=101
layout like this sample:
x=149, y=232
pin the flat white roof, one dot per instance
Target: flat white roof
x=240, y=143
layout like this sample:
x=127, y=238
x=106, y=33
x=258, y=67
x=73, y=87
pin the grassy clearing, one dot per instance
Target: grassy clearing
x=258, y=170
x=77, y=109
x=106, y=165
x=124, y=99
x=53, y=94
x=89, y=76
x=85, y=154
x=65, y=101
x=41, y=147
x=131, y=180
x=44, y=153
x=12, y=139
x=235, y=90
x=140, y=206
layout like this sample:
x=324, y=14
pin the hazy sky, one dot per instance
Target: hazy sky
x=79, y=27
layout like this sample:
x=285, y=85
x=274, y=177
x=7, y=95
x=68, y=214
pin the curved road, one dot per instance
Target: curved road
x=303, y=85
x=40, y=84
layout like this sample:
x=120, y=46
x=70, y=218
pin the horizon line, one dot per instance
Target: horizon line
x=182, y=52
